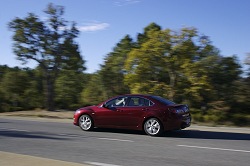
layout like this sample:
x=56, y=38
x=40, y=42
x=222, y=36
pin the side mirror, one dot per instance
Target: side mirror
x=105, y=105
x=110, y=107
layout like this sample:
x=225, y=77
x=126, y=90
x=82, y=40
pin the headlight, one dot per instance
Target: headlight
x=78, y=111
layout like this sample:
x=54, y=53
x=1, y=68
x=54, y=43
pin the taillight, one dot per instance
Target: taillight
x=186, y=109
x=177, y=111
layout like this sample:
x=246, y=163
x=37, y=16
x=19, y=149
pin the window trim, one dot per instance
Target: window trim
x=139, y=105
x=128, y=100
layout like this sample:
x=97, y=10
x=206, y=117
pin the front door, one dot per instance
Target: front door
x=111, y=114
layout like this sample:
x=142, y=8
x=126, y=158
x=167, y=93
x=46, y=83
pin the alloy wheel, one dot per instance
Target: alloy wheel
x=152, y=127
x=85, y=122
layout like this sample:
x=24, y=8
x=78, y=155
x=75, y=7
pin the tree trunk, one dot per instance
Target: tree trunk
x=172, y=76
x=49, y=92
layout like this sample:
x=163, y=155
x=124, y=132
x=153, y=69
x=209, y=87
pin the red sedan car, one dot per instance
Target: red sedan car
x=150, y=113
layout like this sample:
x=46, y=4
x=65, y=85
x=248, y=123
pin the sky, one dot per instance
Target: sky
x=103, y=23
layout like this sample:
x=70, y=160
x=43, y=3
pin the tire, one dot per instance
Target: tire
x=86, y=122
x=153, y=127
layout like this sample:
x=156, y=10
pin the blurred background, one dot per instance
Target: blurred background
x=181, y=64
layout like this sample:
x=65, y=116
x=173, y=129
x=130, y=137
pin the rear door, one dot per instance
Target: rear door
x=134, y=111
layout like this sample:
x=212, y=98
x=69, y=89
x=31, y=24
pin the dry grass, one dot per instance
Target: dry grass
x=59, y=114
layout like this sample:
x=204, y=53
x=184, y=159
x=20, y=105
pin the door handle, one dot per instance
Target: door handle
x=144, y=109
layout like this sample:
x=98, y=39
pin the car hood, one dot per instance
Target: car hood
x=88, y=107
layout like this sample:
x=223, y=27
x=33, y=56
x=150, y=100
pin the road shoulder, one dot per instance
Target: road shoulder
x=13, y=159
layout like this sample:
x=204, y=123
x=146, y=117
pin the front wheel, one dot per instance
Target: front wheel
x=153, y=127
x=85, y=122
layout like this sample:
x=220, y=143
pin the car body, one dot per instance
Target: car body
x=150, y=113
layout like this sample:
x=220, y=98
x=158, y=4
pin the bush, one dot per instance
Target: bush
x=219, y=117
x=240, y=119
x=198, y=117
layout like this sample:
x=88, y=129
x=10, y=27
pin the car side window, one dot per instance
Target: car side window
x=148, y=102
x=117, y=102
x=138, y=101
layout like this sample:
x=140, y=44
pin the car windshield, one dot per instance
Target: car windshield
x=163, y=100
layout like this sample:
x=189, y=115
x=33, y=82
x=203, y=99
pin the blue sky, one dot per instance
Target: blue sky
x=103, y=23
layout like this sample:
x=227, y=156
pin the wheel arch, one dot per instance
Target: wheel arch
x=149, y=117
x=89, y=114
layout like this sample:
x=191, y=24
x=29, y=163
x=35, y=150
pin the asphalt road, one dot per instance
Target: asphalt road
x=105, y=147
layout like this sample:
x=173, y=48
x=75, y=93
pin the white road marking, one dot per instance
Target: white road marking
x=201, y=147
x=100, y=164
x=112, y=139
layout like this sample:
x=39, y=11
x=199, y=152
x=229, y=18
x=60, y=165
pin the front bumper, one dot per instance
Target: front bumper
x=75, y=118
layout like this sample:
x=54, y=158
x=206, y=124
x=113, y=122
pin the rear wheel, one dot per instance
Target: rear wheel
x=153, y=127
x=86, y=123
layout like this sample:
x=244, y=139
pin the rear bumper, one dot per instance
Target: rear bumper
x=178, y=122
x=185, y=121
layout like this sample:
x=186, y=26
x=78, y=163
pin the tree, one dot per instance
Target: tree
x=190, y=59
x=20, y=89
x=14, y=84
x=33, y=95
x=145, y=70
x=94, y=92
x=50, y=43
x=247, y=62
x=171, y=64
x=68, y=87
x=143, y=37
x=112, y=72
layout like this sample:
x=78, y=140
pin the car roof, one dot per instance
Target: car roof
x=136, y=95
x=141, y=95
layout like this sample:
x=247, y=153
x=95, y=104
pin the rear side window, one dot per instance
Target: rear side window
x=148, y=102
x=138, y=101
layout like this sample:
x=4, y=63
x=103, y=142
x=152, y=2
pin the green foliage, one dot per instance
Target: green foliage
x=173, y=61
x=112, y=72
x=240, y=119
x=19, y=90
x=94, y=92
x=180, y=65
x=241, y=96
x=247, y=62
x=144, y=64
x=68, y=87
x=51, y=43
